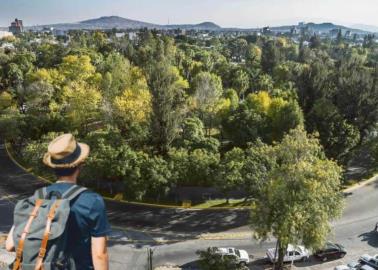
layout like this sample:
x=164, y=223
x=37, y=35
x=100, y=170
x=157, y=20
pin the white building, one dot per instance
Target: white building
x=133, y=36
x=4, y=34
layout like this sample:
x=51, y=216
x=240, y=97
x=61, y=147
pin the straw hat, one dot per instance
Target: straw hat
x=65, y=152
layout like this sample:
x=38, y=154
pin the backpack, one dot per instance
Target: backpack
x=40, y=230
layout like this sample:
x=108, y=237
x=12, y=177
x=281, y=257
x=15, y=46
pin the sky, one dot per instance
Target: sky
x=226, y=13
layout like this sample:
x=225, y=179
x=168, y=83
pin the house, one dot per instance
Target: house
x=16, y=27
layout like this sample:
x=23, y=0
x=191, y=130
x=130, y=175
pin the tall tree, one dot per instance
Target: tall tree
x=300, y=198
x=168, y=104
x=270, y=56
x=207, y=89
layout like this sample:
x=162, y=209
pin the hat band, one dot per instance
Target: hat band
x=68, y=159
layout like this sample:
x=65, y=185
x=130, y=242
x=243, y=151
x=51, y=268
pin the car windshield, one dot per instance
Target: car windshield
x=237, y=252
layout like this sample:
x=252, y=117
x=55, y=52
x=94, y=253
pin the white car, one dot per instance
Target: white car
x=240, y=255
x=349, y=266
x=372, y=261
x=293, y=253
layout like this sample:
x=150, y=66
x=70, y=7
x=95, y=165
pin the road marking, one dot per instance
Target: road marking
x=226, y=236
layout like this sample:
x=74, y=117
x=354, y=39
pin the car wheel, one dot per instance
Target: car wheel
x=243, y=264
x=342, y=255
x=324, y=259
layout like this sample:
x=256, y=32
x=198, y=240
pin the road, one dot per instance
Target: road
x=354, y=230
x=139, y=227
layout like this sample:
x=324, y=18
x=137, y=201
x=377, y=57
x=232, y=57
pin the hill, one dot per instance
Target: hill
x=200, y=26
x=109, y=22
x=116, y=22
x=369, y=28
x=318, y=27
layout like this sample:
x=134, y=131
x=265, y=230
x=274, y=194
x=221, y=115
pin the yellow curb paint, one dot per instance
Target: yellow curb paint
x=22, y=167
x=354, y=187
x=114, y=200
x=361, y=184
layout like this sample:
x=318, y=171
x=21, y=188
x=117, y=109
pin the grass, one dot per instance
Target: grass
x=223, y=203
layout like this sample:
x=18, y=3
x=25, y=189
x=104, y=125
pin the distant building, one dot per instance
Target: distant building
x=16, y=27
x=120, y=35
x=334, y=32
x=266, y=30
x=7, y=46
x=59, y=32
x=133, y=36
x=4, y=34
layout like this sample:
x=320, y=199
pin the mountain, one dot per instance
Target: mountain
x=109, y=22
x=318, y=27
x=369, y=28
x=116, y=22
x=200, y=26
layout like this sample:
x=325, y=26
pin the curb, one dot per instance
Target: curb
x=163, y=206
x=349, y=189
x=361, y=184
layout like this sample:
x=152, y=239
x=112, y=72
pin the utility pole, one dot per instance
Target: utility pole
x=149, y=258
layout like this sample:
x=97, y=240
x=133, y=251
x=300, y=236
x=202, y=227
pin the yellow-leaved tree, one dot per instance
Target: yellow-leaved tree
x=81, y=105
x=132, y=108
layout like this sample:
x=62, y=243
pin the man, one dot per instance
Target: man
x=87, y=224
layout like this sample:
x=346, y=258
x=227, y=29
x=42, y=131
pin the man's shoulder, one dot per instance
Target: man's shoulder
x=91, y=200
x=90, y=195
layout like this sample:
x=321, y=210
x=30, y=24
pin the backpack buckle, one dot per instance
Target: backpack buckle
x=18, y=252
x=42, y=252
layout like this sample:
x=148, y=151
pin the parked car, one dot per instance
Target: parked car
x=240, y=255
x=372, y=261
x=330, y=251
x=349, y=266
x=293, y=253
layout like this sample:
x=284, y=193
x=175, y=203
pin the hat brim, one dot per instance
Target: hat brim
x=83, y=156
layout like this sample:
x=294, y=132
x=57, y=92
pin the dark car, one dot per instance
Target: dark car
x=330, y=251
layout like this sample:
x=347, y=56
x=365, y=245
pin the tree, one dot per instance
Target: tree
x=315, y=42
x=357, y=93
x=282, y=116
x=253, y=58
x=81, y=103
x=238, y=48
x=211, y=259
x=193, y=168
x=337, y=136
x=77, y=68
x=259, y=161
x=301, y=196
x=240, y=81
x=230, y=171
x=207, y=89
x=269, y=57
x=168, y=104
x=193, y=136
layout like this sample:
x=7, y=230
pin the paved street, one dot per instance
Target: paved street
x=137, y=227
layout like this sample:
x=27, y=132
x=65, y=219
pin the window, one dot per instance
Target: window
x=237, y=252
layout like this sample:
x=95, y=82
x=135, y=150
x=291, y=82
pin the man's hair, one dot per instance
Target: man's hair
x=59, y=172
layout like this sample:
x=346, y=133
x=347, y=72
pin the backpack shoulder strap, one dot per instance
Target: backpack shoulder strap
x=73, y=192
x=40, y=193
